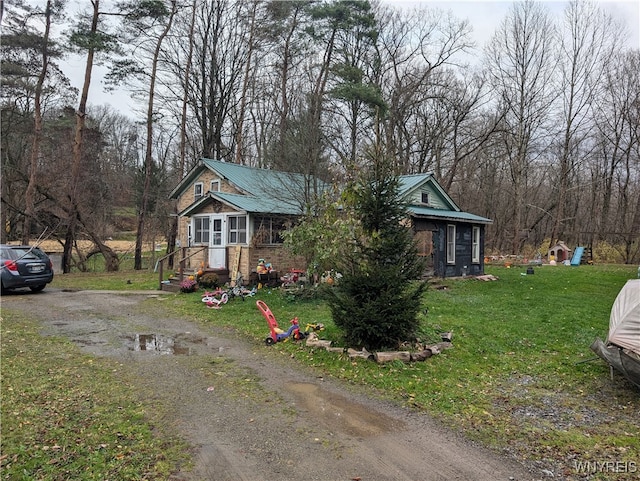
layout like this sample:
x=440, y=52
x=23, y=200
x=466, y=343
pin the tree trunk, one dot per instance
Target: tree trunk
x=245, y=86
x=37, y=131
x=77, y=148
x=148, y=158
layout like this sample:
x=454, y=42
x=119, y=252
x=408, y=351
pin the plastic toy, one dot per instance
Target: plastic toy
x=212, y=300
x=278, y=334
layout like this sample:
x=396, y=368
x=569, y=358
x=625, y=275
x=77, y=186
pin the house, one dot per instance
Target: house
x=452, y=241
x=231, y=216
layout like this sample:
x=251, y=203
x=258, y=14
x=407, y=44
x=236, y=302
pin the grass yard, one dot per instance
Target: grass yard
x=520, y=377
x=67, y=416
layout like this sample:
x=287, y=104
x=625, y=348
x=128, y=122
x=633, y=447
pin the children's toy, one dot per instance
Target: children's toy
x=215, y=299
x=263, y=267
x=241, y=291
x=278, y=334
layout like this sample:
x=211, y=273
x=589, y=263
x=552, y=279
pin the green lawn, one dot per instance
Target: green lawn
x=67, y=416
x=520, y=376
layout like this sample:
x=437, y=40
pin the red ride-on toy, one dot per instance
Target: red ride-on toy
x=278, y=334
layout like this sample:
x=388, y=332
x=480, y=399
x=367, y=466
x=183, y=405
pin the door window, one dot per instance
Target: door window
x=216, y=234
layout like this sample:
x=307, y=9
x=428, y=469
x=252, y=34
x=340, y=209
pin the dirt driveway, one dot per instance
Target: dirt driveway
x=250, y=415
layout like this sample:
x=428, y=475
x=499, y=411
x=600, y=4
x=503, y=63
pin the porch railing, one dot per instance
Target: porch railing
x=181, y=263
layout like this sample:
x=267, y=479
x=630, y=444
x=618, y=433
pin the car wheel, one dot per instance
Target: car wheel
x=37, y=288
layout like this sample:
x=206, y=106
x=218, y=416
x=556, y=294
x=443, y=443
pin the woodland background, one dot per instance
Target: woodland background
x=539, y=129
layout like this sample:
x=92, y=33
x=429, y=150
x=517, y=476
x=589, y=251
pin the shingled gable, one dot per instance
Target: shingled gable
x=427, y=199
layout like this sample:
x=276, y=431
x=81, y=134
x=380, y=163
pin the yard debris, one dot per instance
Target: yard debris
x=487, y=277
x=404, y=356
x=352, y=353
x=314, y=341
x=422, y=354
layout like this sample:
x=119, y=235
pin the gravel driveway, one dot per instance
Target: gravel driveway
x=249, y=415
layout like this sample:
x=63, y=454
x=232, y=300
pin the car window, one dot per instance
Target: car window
x=18, y=253
x=39, y=254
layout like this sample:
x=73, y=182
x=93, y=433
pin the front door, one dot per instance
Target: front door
x=217, y=245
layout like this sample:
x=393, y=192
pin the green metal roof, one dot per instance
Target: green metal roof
x=272, y=192
x=259, y=204
x=245, y=203
x=409, y=183
x=443, y=214
x=259, y=182
x=250, y=180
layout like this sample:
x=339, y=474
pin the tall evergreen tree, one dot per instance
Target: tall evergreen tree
x=376, y=301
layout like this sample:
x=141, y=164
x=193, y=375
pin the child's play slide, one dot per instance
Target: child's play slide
x=577, y=256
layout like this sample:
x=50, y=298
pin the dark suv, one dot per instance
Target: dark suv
x=24, y=266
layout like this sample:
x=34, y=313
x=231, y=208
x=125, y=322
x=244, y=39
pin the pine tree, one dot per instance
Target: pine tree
x=378, y=297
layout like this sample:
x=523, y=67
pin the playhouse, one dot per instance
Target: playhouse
x=559, y=252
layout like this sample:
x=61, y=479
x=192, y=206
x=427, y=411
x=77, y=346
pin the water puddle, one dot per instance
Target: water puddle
x=339, y=413
x=158, y=344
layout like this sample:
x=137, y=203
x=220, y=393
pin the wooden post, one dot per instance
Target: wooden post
x=235, y=266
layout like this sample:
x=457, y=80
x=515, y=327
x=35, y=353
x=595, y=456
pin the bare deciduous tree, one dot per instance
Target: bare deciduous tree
x=520, y=59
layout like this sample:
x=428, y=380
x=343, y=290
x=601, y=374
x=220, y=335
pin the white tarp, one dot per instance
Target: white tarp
x=624, y=323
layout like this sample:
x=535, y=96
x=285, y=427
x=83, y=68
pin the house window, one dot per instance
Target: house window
x=215, y=186
x=268, y=230
x=451, y=244
x=475, y=247
x=197, y=190
x=424, y=197
x=237, y=229
x=201, y=230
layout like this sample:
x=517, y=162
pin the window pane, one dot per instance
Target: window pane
x=451, y=244
x=475, y=254
x=201, y=226
x=237, y=232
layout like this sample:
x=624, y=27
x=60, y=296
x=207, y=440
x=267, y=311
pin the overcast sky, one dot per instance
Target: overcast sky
x=483, y=15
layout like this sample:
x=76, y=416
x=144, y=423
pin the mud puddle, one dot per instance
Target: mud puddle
x=165, y=345
x=340, y=413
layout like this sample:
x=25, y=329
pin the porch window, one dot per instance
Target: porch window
x=268, y=230
x=237, y=229
x=475, y=248
x=201, y=230
x=451, y=244
x=197, y=190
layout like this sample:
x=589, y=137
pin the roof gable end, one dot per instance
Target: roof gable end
x=412, y=188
